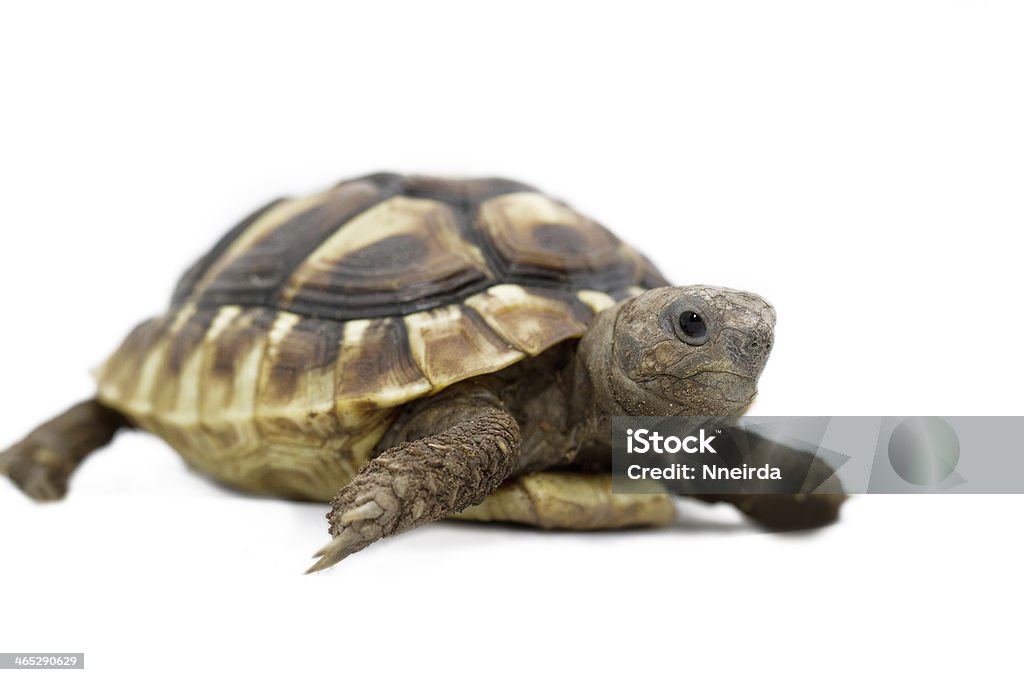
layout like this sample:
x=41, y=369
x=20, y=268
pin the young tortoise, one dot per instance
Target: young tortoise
x=411, y=347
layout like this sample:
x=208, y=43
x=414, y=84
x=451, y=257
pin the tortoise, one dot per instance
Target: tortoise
x=412, y=348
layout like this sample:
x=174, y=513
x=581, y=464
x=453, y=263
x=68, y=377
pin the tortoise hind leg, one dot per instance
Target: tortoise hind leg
x=42, y=463
x=570, y=501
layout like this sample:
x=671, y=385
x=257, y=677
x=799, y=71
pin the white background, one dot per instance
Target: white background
x=858, y=164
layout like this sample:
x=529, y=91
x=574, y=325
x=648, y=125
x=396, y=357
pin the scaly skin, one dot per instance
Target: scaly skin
x=44, y=460
x=424, y=480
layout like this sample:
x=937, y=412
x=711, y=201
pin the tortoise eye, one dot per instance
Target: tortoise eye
x=692, y=325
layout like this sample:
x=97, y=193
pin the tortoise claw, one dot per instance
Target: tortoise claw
x=345, y=543
x=364, y=512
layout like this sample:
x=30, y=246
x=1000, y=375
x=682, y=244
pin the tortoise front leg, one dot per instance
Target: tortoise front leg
x=426, y=479
x=44, y=460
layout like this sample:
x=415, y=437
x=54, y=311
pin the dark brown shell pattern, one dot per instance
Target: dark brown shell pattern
x=295, y=337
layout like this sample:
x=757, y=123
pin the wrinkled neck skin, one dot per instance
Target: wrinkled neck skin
x=592, y=401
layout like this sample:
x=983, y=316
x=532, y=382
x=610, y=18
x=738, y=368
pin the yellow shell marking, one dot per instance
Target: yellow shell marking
x=595, y=300
x=451, y=343
x=527, y=320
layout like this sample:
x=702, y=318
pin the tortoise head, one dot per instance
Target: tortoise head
x=696, y=350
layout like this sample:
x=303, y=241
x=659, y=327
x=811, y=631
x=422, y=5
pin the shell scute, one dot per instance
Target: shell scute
x=295, y=395
x=254, y=270
x=536, y=237
x=532, y=320
x=453, y=343
x=403, y=252
x=375, y=368
x=231, y=373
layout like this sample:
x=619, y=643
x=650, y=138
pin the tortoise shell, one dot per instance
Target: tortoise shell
x=296, y=335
